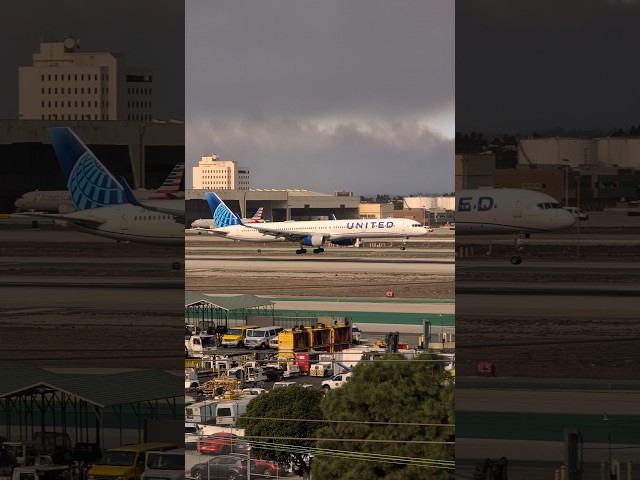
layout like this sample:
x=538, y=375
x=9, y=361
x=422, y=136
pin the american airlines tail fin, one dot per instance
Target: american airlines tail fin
x=90, y=184
x=257, y=217
x=171, y=185
x=222, y=215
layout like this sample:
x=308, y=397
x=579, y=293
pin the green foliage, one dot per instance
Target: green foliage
x=293, y=402
x=408, y=392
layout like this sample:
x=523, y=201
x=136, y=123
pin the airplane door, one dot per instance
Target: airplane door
x=517, y=208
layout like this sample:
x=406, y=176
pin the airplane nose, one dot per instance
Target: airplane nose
x=567, y=219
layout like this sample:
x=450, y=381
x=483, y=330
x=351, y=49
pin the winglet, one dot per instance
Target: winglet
x=128, y=193
x=222, y=215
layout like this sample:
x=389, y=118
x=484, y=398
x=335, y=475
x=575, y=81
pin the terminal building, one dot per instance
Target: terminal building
x=590, y=173
x=63, y=83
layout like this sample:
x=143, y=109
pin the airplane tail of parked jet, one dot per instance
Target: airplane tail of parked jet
x=90, y=184
x=257, y=217
x=171, y=186
x=222, y=215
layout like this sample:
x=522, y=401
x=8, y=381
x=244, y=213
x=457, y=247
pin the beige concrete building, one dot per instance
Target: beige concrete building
x=474, y=170
x=376, y=210
x=215, y=174
x=65, y=84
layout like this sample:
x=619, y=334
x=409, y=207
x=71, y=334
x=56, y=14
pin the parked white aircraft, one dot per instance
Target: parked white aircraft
x=509, y=211
x=314, y=233
x=60, y=201
x=103, y=203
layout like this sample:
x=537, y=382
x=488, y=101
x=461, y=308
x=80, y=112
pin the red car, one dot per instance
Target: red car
x=222, y=444
x=268, y=469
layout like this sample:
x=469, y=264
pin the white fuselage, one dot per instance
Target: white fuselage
x=128, y=223
x=60, y=201
x=345, y=229
x=507, y=211
x=244, y=234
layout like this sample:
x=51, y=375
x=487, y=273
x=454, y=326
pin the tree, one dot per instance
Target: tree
x=411, y=392
x=294, y=402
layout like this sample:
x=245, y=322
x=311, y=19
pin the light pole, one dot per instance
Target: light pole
x=249, y=462
x=566, y=182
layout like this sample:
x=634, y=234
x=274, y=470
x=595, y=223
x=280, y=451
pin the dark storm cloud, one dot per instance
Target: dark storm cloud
x=149, y=32
x=524, y=66
x=298, y=82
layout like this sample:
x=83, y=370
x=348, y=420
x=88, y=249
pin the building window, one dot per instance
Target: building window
x=82, y=77
x=42, y=105
x=42, y=78
x=49, y=77
x=82, y=103
x=82, y=90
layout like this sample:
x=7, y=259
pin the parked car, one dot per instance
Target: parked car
x=268, y=469
x=221, y=444
x=223, y=467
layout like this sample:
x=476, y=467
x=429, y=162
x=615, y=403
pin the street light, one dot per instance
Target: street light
x=248, y=462
x=566, y=181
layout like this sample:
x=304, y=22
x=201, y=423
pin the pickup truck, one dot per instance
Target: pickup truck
x=336, y=381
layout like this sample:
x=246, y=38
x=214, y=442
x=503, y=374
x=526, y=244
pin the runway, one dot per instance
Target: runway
x=298, y=263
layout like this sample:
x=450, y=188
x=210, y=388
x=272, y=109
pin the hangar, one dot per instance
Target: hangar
x=279, y=205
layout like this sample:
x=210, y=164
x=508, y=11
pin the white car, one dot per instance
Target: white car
x=273, y=343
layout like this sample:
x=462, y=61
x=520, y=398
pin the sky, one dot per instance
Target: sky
x=525, y=66
x=324, y=96
x=149, y=32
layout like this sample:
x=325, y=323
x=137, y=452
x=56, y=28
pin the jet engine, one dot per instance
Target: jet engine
x=313, y=241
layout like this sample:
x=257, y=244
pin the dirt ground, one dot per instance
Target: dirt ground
x=343, y=285
x=548, y=347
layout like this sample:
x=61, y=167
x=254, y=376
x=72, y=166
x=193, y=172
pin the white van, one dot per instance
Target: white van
x=168, y=465
x=260, y=337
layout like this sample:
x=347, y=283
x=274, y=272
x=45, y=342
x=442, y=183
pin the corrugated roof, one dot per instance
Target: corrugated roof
x=103, y=390
x=235, y=302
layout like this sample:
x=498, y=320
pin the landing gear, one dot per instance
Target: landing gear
x=404, y=244
x=318, y=250
x=302, y=250
x=516, y=259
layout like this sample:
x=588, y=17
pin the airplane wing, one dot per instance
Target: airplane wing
x=178, y=214
x=291, y=235
x=87, y=222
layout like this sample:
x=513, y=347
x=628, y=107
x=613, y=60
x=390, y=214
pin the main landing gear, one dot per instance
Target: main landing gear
x=315, y=250
x=516, y=259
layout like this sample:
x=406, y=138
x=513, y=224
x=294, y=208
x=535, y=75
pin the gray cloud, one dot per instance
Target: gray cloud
x=361, y=87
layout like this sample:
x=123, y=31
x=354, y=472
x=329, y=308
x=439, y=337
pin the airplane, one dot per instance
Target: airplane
x=507, y=211
x=318, y=232
x=59, y=201
x=204, y=223
x=105, y=206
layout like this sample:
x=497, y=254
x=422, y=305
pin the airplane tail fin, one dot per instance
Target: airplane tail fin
x=90, y=184
x=172, y=182
x=257, y=217
x=222, y=215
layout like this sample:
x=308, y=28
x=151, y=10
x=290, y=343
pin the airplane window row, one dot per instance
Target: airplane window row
x=548, y=205
x=152, y=217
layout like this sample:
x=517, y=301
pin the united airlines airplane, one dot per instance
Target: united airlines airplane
x=104, y=205
x=509, y=211
x=312, y=233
